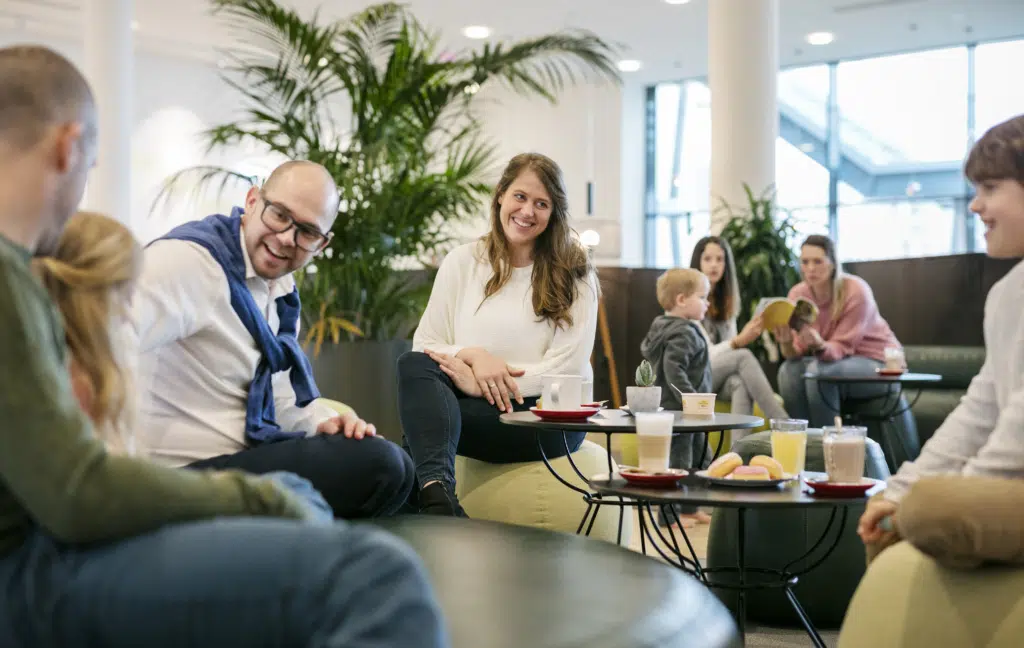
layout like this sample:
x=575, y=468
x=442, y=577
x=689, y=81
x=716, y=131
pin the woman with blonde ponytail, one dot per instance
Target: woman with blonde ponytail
x=91, y=277
x=848, y=338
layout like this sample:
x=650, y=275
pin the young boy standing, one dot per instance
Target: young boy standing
x=677, y=347
x=984, y=435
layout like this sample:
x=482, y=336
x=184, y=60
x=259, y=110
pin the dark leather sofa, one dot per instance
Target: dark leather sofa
x=957, y=365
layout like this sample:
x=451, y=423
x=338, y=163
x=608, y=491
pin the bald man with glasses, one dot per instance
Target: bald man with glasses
x=224, y=382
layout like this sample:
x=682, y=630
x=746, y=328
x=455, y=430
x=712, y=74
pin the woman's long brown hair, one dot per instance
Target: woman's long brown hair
x=559, y=260
x=724, y=300
x=89, y=277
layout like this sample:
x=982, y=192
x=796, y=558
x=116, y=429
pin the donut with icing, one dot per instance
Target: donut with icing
x=724, y=465
x=770, y=464
x=752, y=473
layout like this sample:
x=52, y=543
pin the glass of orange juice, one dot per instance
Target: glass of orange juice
x=789, y=444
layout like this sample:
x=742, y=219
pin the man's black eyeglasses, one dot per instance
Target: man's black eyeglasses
x=278, y=220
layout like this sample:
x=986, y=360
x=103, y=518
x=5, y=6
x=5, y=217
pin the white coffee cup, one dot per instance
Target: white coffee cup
x=587, y=395
x=895, y=360
x=653, y=439
x=562, y=392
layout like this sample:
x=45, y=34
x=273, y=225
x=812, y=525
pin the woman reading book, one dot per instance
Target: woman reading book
x=736, y=375
x=848, y=338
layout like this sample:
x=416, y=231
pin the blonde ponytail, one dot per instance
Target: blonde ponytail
x=90, y=277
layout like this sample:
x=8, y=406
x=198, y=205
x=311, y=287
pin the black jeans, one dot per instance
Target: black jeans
x=359, y=478
x=440, y=421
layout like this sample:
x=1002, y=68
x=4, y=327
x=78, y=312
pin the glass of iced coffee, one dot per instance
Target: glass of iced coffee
x=844, y=448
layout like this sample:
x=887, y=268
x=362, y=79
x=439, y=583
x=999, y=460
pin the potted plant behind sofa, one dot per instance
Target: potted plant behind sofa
x=763, y=244
x=376, y=101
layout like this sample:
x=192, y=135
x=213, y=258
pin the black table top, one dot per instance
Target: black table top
x=904, y=378
x=512, y=586
x=623, y=423
x=694, y=490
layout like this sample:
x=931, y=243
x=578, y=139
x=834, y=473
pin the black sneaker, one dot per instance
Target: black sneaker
x=437, y=499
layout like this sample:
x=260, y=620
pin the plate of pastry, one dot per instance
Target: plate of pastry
x=641, y=477
x=762, y=472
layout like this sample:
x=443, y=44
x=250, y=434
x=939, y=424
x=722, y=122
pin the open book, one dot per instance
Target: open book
x=779, y=311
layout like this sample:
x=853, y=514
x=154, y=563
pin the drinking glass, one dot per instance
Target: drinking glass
x=789, y=444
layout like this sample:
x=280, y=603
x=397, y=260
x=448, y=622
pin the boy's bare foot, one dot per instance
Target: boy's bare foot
x=700, y=517
x=685, y=522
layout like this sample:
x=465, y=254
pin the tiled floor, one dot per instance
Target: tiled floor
x=757, y=637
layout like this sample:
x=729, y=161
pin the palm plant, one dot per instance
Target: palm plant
x=762, y=244
x=375, y=100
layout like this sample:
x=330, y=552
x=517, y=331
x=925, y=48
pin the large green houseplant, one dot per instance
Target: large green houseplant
x=389, y=113
x=762, y=240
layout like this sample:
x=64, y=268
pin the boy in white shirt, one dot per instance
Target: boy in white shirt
x=984, y=436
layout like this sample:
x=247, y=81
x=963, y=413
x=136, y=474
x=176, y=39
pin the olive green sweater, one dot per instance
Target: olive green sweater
x=54, y=473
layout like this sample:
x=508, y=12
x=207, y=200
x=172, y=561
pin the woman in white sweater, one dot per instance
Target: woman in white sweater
x=736, y=375
x=505, y=310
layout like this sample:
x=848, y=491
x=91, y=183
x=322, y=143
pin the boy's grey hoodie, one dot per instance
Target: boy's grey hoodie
x=678, y=351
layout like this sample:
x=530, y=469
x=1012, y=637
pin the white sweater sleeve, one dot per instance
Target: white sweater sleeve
x=436, y=330
x=571, y=346
x=955, y=446
x=959, y=438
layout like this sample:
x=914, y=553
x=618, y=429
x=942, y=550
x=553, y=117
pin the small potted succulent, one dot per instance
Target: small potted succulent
x=645, y=397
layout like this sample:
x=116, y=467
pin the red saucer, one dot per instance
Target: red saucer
x=830, y=489
x=581, y=414
x=645, y=478
x=890, y=372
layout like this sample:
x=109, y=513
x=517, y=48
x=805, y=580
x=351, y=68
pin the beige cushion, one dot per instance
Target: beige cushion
x=529, y=495
x=907, y=600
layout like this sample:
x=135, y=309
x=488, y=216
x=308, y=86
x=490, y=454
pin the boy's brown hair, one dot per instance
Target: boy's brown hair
x=678, y=281
x=999, y=154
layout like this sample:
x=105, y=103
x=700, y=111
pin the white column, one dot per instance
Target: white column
x=743, y=63
x=109, y=69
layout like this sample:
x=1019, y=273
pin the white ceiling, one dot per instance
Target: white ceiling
x=671, y=40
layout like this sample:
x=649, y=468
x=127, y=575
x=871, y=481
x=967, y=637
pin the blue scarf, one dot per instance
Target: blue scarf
x=220, y=236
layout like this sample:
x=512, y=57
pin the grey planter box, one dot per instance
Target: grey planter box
x=364, y=376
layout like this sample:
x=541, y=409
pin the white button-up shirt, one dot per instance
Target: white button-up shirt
x=197, y=359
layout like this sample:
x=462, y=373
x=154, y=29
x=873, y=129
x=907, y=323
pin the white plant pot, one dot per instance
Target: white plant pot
x=643, y=399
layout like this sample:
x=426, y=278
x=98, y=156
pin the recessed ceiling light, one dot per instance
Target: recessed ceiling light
x=820, y=38
x=476, y=31
x=676, y=2
x=629, y=65
x=135, y=25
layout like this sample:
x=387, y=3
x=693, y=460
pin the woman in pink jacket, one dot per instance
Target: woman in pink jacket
x=849, y=337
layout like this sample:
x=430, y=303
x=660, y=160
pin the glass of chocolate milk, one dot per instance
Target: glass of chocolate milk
x=844, y=449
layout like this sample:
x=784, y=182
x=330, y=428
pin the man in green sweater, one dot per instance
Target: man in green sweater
x=104, y=550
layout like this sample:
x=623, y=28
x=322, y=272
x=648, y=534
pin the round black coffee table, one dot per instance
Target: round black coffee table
x=619, y=422
x=895, y=386
x=505, y=586
x=695, y=491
